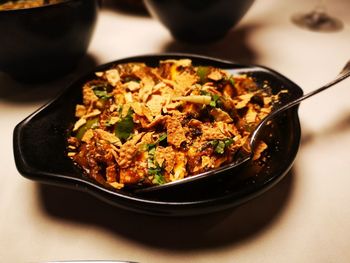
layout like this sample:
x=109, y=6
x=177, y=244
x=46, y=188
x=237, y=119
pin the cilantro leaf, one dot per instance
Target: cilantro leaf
x=154, y=168
x=219, y=146
x=157, y=173
x=125, y=126
x=101, y=90
x=215, y=98
x=102, y=94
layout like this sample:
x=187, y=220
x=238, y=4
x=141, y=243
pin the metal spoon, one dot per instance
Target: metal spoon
x=345, y=73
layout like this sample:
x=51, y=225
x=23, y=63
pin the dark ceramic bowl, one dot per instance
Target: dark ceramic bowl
x=41, y=155
x=48, y=41
x=198, y=21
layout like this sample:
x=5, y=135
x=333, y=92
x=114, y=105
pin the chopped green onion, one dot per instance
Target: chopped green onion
x=220, y=147
x=228, y=142
x=161, y=138
x=90, y=124
x=159, y=179
x=202, y=73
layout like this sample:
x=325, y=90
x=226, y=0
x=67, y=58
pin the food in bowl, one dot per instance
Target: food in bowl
x=142, y=125
x=19, y=4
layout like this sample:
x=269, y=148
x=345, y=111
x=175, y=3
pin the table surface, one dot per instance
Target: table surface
x=305, y=218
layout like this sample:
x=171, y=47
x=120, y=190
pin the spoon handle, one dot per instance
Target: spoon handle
x=345, y=73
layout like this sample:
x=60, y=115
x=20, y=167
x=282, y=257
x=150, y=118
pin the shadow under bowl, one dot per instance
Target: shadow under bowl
x=45, y=42
x=196, y=21
x=40, y=150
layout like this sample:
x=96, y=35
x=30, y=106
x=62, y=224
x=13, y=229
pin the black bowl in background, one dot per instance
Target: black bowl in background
x=40, y=150
x=198, y=21
x=48, y=41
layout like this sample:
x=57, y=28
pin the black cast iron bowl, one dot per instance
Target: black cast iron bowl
x=198, y=21
x=41, y=155
x=45, y=42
